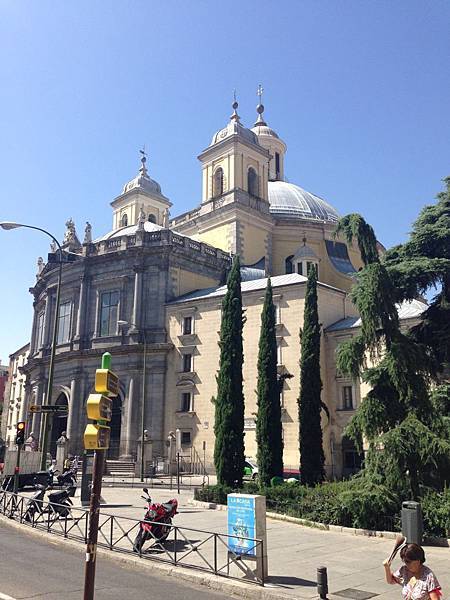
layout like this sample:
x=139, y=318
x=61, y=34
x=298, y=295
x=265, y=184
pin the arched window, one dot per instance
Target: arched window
x=252, y=182
x=124, y=220
x=152, y=218
x=218, y=182
x=303, y=267
x=288, y=263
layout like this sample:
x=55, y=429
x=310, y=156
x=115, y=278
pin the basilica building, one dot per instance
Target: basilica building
x=150, y=290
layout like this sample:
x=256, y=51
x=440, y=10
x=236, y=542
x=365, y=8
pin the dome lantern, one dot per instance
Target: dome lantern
x=141, y=192
x=269, y=139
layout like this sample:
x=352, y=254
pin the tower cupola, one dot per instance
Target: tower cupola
x=234, y=164
x=141, y=195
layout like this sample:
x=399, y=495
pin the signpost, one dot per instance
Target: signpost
x=48, y=408
x=96, y=437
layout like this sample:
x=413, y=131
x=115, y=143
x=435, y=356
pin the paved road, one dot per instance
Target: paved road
x=46, y=569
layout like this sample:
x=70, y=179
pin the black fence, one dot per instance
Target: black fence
x=186, y=547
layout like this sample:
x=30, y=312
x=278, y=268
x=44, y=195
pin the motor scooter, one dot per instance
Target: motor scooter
x=157, y=521
x=58, y=503
x=35, y=504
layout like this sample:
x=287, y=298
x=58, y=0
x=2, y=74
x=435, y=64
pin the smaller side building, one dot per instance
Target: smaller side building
x=3, y=382
x=14, y=408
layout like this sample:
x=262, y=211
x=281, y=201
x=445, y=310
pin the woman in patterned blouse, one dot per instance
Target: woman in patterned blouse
x=418, y=581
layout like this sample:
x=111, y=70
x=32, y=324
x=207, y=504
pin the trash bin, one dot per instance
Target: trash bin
x=412, y=522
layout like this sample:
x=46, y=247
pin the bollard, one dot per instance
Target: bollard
x=322, y=582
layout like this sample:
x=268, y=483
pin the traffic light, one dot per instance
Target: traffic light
x=20, y=433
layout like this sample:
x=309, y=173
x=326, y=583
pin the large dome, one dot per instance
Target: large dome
x=291, y=201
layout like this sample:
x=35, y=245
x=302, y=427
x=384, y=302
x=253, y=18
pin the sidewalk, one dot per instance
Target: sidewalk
x=294, y=552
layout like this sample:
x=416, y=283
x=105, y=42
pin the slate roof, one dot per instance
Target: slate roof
x=406, y=310
x=249, y=286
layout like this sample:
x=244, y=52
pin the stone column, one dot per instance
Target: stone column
x=74, y=412
x=154, y=407
x=23, y=412
x=36, y=424
x=33, y=333
x=138, y=276
x=130, y=401
x=81, y=308
x=47, y=320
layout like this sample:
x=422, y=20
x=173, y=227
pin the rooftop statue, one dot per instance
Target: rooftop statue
x=87, y=233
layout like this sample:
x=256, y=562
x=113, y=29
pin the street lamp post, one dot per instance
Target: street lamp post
x=143, y=393
x=7, y=225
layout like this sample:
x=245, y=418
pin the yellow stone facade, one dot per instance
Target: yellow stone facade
x=278, y=229
x=202, y=345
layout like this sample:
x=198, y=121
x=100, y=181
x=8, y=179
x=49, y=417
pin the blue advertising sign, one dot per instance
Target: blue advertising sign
x=241, y=523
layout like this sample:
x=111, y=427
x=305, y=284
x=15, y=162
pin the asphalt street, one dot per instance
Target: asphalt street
x=39, y=568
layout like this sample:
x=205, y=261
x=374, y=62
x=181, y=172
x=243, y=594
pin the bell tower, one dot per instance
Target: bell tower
x=235, y=168
x=234, y=211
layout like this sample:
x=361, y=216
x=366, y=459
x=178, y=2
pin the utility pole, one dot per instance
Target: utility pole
x=96, y=437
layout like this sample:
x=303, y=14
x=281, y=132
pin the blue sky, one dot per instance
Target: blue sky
x=359, y=91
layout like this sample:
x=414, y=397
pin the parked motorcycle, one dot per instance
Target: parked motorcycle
x=58, y=503
x=67, y=477
x=35, y=504
x=158, y=519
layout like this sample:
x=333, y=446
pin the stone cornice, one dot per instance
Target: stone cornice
x=158, y=348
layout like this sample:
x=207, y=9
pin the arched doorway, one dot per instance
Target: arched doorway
x=116, y=427
x=59, y=424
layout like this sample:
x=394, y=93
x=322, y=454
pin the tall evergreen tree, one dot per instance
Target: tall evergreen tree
x=404, y=423
x=229, y=453
x=269, y=436
x=309, y=404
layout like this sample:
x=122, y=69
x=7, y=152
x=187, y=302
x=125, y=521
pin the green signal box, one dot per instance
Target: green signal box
x=106, y=382
x=99, y=407
x=96, y=437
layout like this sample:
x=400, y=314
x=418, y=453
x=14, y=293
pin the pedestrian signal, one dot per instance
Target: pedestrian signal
x=96, y=437
x=106, y=382
x=20, y=433
x=99, y=407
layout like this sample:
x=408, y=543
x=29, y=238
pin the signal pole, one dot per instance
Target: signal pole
x=20, y=440
x=96, y=436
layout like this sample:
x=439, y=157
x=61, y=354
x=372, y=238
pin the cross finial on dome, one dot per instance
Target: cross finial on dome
x=235, y=116
x=143, y=169
x=260, y=92
x=260, y=107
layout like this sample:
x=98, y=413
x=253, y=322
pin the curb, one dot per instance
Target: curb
x=213, y=582
x=429, y=541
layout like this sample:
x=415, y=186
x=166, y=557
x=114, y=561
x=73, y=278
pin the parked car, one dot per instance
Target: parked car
x=250, y=469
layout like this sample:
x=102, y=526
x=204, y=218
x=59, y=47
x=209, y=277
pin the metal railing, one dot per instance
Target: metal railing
x=186, y=547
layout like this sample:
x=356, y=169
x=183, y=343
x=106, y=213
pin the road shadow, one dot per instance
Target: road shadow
x=288, y=581
x=172, y=546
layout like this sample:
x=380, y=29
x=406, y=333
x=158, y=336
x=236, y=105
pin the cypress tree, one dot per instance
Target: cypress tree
x=309, y=404
x=229, y=453
x=269, y=437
